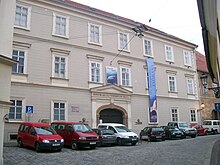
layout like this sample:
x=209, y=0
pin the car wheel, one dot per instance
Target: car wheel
x=20, y=143
x=74, y=145
x=119, y=142
x=37, y=147
x=93, y=146
x=193, y=136
x=133, y=144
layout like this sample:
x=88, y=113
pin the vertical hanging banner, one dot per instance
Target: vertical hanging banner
x=152, y=91
x=111, y=75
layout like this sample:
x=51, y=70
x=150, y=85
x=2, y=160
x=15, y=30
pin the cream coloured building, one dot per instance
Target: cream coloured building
x=65, y=51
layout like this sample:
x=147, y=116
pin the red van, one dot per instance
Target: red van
x=39, y=136
x=76, y=135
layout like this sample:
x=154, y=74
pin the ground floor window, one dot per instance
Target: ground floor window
x=15, y=111
x=193, y=115
x=59, y=110
x=174, y=114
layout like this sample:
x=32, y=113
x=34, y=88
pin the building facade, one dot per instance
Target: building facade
x=78, y=63
x=207, y=96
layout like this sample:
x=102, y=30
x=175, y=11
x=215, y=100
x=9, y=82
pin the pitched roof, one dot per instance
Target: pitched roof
x=201, y=62
x=86, y=8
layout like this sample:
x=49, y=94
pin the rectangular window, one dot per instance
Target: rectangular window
x=169, y=53
x=95, y=72
x=172, y=83
x=174, y=114
x=60, y=25
x=193, y=115
x=190, y=86
x=123, y=41
x=15, y=111
x=187, y=58
x=22, y=16
x=60, y=67
x=59, y=110
x=95, y=34
x=148, y=47
x=125, y=76
x=20, y=57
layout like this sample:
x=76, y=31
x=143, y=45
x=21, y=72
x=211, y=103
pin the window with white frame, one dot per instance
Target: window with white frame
x=15, y=111
x=22, y=17
x=123, y=41
x=59, y=109
x=169, y=53
x=187, y=58
x=148, y=47
x=60, y=66
x=95, y=69
x=193, y=115
x=125, y=76
x=190, y=85
x=172, y=83
x=95, y=34
x=18, y=56
x=60, y=25
x=174, y=114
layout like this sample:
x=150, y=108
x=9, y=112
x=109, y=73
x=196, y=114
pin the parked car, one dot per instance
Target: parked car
x=200, y=129
x=212, y=126
x=173, y=132
x=39, y=136
x=76, y=135
x=153, y=133
x=106, y=137
x=123, y=134
x=184, y=127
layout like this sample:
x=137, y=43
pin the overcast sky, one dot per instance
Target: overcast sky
x=177, y=17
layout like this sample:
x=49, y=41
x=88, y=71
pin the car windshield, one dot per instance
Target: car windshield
x=122, y=129
x=183, y=125
x=45, y=130
x=108, y=132
x=207, y=123
x=82, y=128
x=157, y=129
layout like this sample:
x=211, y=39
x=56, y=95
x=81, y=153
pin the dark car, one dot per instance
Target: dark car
x=153, y=133
x=173, y=133
x=106, y=137
x=200, y=129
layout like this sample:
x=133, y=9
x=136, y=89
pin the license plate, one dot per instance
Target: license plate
x=158, y=137
x=92, y=142
x=55, y=144
x=133, y=139
x=178, y=135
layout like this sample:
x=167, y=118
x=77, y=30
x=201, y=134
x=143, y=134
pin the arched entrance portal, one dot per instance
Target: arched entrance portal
x=112, y=113
x=111, y=116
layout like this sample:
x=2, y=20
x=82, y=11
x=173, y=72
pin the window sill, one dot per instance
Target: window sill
x=148, y=55
x=95, y=44
x=170, y=62
x=22, y=28
x=60, y=36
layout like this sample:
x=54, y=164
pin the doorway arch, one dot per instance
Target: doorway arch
x=112, y=114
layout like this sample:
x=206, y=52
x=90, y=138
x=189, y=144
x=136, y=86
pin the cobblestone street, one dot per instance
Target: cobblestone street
x=182, y=152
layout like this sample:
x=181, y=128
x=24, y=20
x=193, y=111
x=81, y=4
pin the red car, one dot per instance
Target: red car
x=39, y=136
x=200, y=130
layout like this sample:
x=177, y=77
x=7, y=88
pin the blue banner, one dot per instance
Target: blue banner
x=152, y=90
x=111, y=75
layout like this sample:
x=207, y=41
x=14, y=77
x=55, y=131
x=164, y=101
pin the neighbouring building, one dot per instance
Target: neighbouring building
x=207, y=96
x=78, y=63
x=6, y=62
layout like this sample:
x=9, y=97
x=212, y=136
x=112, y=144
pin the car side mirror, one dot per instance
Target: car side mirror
x=33, y=133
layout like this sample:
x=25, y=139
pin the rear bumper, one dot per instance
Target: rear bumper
x=129, y=140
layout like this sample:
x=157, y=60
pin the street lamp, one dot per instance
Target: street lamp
x=215, y=89
x=200, y=112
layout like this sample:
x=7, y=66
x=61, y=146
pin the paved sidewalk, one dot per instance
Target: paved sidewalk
x=215, y=156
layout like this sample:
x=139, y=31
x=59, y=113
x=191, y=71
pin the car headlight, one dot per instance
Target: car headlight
x=62, y=140
x=46, y=141
x=173, y=133
x=82, y=138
